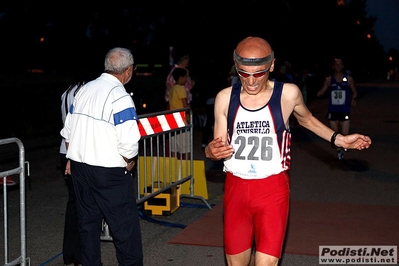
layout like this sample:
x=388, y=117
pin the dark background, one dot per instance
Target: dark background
x=43, y=45
x=60, y=36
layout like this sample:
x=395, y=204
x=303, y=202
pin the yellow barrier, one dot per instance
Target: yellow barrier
x=169, y=170
x=165, y=203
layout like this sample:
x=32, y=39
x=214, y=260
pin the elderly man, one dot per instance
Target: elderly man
x=252, y=135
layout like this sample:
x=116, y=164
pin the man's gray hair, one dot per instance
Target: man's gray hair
x=117, y=60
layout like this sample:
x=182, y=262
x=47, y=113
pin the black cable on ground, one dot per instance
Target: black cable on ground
x=192, y=205
x=143, y=216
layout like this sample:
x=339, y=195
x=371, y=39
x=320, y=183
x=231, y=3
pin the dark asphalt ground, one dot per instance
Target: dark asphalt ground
x=363, y=177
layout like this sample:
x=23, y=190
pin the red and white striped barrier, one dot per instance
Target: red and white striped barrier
x=161, y=123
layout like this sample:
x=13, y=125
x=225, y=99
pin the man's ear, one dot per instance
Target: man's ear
x=272, y=66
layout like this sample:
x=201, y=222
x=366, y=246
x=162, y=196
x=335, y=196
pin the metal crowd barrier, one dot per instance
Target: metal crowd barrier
x=22, y=259
x=158, y=169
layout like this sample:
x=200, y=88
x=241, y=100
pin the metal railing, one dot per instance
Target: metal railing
x=159, y=169
x=22, y=259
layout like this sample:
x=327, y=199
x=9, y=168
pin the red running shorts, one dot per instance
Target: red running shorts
x=256, y=209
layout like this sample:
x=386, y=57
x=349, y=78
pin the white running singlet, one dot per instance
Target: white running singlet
x=261, y=141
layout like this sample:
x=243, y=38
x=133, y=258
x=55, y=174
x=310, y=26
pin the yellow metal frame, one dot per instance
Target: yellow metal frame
x=171, y=176
x=165, y=203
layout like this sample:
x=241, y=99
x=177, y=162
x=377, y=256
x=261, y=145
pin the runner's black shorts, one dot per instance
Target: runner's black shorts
x=338, y=116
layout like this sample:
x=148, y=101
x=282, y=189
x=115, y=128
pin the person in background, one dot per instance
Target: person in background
x=102, y=140
x=182, y=62
x=215, y=84
x=282, y=75
x=178, y=99
x=207, y=131
x=233, y=77
x=342, y=95
x=71, y=245
x=253, y=137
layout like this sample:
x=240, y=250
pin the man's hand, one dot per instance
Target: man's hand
x=217, y=149
x=353, y=141
x=68, y=168
x=130, y=165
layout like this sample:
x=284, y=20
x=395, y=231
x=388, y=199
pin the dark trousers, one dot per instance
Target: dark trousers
x=107, y=193
x=71, y=244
